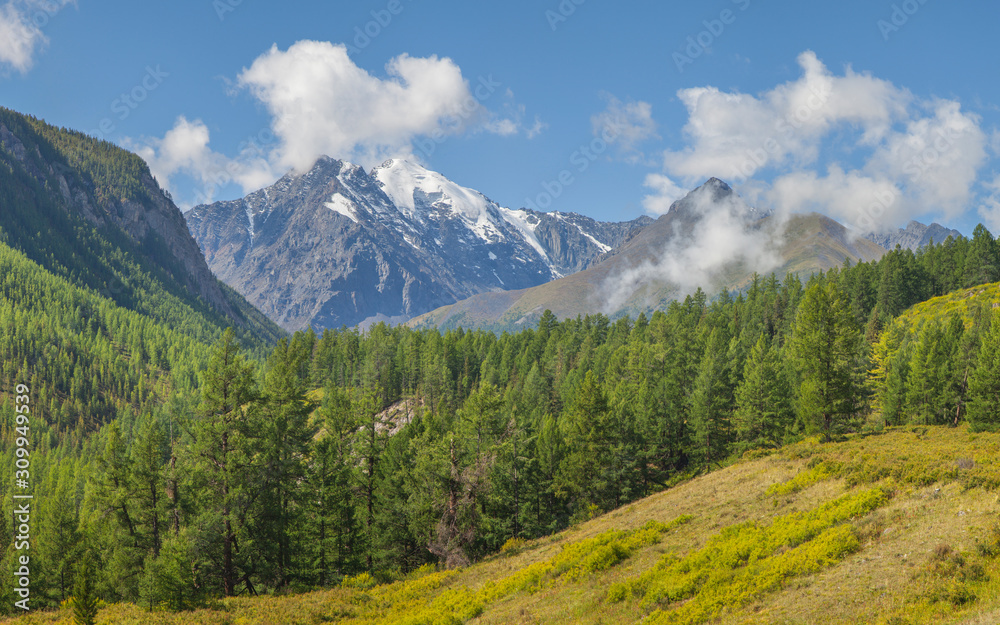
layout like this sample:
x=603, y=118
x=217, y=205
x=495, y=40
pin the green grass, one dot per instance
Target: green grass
x=891, y=528
x=963, y=302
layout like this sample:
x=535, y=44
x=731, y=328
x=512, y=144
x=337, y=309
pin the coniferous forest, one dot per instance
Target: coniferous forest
x=179, y=469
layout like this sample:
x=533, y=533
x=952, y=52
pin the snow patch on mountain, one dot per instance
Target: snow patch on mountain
x=342, y=205
x=423, y=195
x=526, y=223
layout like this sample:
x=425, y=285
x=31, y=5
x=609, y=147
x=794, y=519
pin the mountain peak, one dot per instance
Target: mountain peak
x=714, y=192
x=716, y=183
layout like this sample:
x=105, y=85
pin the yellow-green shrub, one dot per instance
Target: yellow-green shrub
x=746, y=560
x=819, y=472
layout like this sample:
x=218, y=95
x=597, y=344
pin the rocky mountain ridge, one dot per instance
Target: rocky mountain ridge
x=341, y=246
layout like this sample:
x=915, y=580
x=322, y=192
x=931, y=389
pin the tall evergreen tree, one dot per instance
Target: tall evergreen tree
x=222, y=452
x=826, y=348
x=282, y=443
x=763, y=400
x=982, y=264
x=712, y=399
x=984, y=383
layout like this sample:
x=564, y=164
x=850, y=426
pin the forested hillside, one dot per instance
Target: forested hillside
x=90, y=212
x=381, y=452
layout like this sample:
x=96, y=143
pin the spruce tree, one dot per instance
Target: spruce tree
x=825, y=346
x=84, y=597
x=984, y=383
x=763, y=400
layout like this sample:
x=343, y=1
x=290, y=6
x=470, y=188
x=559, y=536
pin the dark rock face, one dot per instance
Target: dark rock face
x=152, y=220
x=341, y=246
x=914, y=236
x=574, y=242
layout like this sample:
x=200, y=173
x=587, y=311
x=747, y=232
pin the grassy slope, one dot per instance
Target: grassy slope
x=754, y=544
x=962, y=302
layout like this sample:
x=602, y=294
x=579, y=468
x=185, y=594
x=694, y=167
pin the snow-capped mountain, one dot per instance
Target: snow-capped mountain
x=339, y=245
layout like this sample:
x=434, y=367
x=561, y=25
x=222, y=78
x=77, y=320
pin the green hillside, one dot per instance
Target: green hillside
x=895, y=528
x=90, y=212
x=437, y=451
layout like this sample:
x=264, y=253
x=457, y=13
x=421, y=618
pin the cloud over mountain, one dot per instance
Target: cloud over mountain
x=853, y=146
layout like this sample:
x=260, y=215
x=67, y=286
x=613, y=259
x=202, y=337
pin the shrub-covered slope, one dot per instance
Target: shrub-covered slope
x=892, y=528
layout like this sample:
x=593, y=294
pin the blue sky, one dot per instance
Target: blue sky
x=872, y=112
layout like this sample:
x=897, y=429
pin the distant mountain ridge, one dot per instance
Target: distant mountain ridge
x=340, y=246
x=629, y=280
x=915, y=236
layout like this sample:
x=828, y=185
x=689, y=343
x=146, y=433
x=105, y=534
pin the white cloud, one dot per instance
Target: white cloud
x=989, y=209
x=21, y=35
x=322, y=103
x=184, y=150
x=937, y=158
x=629, y=123
x=850, y=197
x=665, y=193
x=926, y=152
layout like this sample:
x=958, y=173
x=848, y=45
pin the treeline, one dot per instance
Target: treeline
x=381, y=451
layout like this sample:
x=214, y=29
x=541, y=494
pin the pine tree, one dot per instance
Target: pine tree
x=825, y=346
x=763, y=400
x=84, y=597
x=712, y=399
x=984, y=383
x=333, y=526
x=982, y=264
x=281, y=443
x=588, y=435
x=928, y=381
x=228, y=389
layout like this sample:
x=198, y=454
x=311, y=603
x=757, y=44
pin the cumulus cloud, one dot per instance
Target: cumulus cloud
x=665, y=193
x=21, y=35
x=629, y=123
x=184, y=149
x=321, y=103
x=907, y=156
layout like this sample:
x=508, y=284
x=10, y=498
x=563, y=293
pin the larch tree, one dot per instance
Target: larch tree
x=825, y=347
